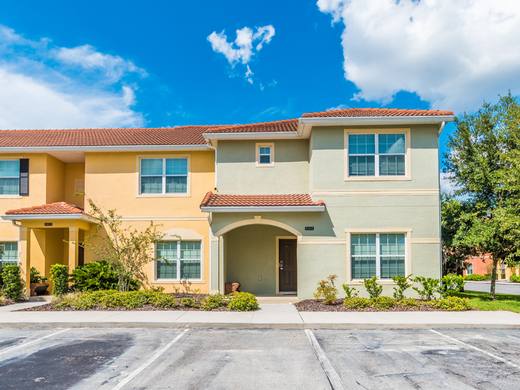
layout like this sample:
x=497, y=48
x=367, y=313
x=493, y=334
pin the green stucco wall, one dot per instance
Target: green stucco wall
x=237, y=172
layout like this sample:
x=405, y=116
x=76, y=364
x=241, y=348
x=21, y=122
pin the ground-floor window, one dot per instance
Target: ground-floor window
x=469, y=269
x=8, y=252
x=178, y=260
x=380, y=255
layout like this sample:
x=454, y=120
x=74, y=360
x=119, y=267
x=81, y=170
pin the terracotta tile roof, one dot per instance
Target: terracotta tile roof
x=370, y=112
x=224, y=200
x=182, y=135
x=50, y=208
x=286, y=125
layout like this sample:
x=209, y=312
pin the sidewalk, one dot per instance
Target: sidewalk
x=281, y=316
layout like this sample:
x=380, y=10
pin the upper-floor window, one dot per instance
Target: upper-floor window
x=264, y=154
x=8, y=252
x=9, y=177
x=378, y=154
x=164, y=176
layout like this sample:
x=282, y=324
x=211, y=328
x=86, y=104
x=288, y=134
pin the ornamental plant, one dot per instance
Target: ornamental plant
x=326, y=290
x=12, y=282
x=402, y=284
x=373, y=288
x=426, y=288
x=59, y=279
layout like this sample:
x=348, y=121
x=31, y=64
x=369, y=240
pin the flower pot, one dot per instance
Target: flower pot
x=39, y=288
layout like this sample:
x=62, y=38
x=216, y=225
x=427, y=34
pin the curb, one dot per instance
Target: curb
x=238, y=326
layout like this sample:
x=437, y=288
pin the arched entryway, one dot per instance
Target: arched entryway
x=261, y=255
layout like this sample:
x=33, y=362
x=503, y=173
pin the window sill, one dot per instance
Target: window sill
x=184, y=195
x=178, y=281
x=378, y=178
x=11, y=196
x=384, y=282
x=258, y=165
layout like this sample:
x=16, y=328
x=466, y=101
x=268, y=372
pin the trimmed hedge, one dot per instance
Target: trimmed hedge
x=515, y=278
x=98, y=275
x=384, y=303
x=12, y=285
x=476, y=277
x=243, y=301
x=59, y=279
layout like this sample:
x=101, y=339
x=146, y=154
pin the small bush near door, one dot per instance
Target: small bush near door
x=60, y=279
x=12, y=282
x=243, y=301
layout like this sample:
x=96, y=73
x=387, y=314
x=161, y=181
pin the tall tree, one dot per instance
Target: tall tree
x=484, y=164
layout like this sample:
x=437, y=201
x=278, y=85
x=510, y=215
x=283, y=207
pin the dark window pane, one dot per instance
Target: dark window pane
x=177, y=184
x=361, y=166
x=151, y=185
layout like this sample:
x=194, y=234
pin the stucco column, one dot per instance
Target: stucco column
x=213, y=264
x=73, y=248
x=25, y=257
x=221, y=264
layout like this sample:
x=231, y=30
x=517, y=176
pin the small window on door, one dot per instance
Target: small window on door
x=265, y=154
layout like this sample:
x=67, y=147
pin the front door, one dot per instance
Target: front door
x=287, y=266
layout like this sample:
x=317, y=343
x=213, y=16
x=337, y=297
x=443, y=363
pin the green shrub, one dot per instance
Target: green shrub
x=36, y=277
x=382, y=303
x=476, y=277
x=373, y=288
x=402, y=284
x=98, y=275
x=408, y=302
x=60, y=279
x=427, y=288
x=451, y=283
x=212, y=302
x=355, y=303
x=515, y=278
x=12, y=282
x=163, y=301
x=326, y=290
x=452, y=304
x=350, y=292
x=189, y=302
x=243, y=301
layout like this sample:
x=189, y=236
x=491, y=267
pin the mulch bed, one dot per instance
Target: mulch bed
x=317, y=305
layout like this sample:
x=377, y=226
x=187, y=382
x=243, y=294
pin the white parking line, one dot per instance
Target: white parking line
x=152, y=358
x=496, y=357
x=29, y=343
x=330, y=372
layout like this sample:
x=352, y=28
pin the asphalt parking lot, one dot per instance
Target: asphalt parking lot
x=115, y=359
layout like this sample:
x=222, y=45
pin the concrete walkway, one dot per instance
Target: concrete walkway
x=269, y=316
x=501, y=287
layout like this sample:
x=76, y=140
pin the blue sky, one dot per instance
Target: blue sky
x=153, y=65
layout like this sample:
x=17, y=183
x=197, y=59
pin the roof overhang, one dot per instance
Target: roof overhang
x=305, y=123
x=262, y=209
x=49, y=217
x=109, y=148
x=252, y=135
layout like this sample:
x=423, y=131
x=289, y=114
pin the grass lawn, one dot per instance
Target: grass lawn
x=482, y=301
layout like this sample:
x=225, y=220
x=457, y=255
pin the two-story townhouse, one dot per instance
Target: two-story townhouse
x=283, y=204
x=351, y=192
x=159, y=176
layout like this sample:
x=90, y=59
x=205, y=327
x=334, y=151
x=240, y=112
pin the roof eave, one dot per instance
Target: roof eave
x=108, y=148
x=31, y=217
x=252, y=135
x=262, y=209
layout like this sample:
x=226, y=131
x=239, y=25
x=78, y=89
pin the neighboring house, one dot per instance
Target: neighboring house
x=276, y=206
x=482, y=265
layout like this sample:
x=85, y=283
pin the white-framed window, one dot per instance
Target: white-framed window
x=377, y=254
x=265, y=154
x=163, y=176
x=178, y=260
x=9, y=177
x=376, y=154
x=8, y=252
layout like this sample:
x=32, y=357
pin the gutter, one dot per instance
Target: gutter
x=114, y=148
x=31, y=217
x=262, y=209
x=252, y=135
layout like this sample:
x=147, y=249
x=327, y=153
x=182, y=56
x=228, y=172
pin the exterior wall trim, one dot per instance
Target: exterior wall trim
x=262, y=209
x=258, y=221
x=418, y=192
x=252, y=135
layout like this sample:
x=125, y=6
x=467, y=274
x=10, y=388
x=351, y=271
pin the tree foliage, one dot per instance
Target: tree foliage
x=128, y=249
x=484, y=162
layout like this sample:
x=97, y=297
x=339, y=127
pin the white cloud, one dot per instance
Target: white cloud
x=46, y=86
x=448, y=187
x=86, y=57
x=454, y=54
x=245, y=45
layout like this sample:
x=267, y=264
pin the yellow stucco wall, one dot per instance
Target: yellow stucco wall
x=112, y=182
x=74, y=177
